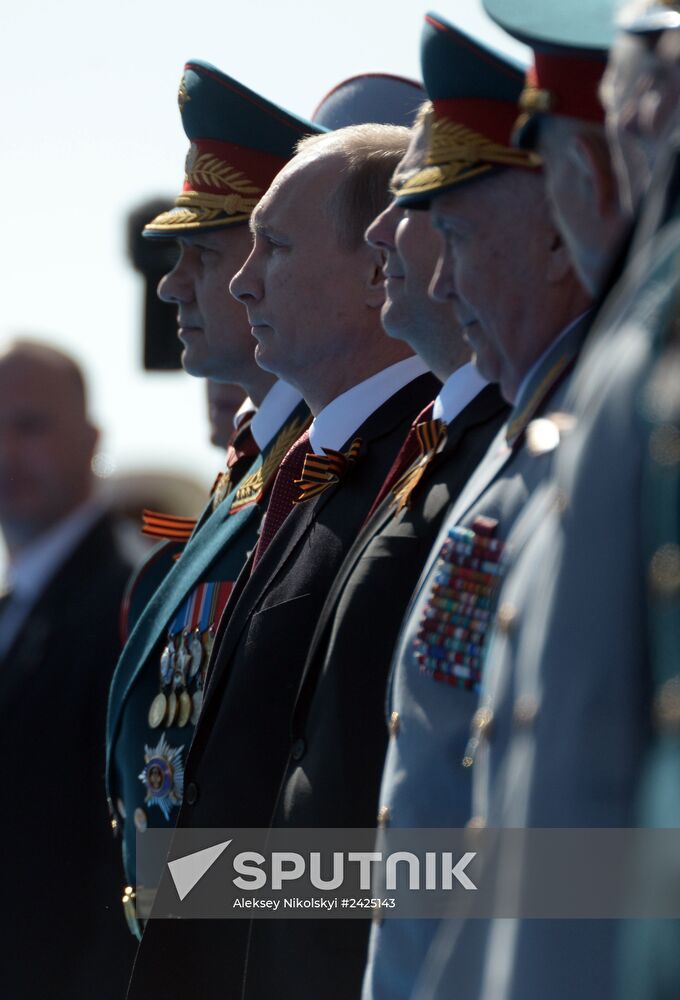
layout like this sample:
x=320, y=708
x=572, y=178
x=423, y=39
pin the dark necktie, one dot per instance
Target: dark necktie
x=284, y=494
x=421, y=444
x=241, y=453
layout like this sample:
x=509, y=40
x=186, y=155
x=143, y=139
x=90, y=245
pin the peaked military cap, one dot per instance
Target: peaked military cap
x=643, y=17
x=474, y=92
x=239, y=142
x=570, y=43
x=370, y=97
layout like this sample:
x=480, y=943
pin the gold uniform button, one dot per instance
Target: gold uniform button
x=114, y=826
x=506, y=618
x=667, y=707
x=561, y=502
x=481, y=721
x=542, y=436
x=664, y=446
x=384, y=817
x=664, y=570
x=525, y=711
x=394, y=724
x=476, y=823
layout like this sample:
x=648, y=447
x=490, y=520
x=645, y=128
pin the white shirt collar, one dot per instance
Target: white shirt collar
x=273, y=411
x=460, y=388
x=539, y=361
x=33, y=568
x=245, y=409
x=336, y=423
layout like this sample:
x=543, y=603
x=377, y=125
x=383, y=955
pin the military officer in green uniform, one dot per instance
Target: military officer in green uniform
x=238, y=142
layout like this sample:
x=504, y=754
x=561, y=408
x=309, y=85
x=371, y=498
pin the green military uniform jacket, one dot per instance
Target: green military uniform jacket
x=145, y=763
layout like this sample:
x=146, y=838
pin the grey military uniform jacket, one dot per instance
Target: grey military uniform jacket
x=567, y=688
x=424, y=782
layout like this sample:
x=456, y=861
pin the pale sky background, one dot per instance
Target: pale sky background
x=91, y=128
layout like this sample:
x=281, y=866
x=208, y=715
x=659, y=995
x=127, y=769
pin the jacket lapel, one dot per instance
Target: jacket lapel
x=484, y=406
x=298, y=524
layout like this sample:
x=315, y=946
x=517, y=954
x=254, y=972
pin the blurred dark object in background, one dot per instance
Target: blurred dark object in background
x=153, y=259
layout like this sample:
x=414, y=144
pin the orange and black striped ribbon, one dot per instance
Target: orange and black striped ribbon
x=429, y=436
x=167, y=526
x=321, y=471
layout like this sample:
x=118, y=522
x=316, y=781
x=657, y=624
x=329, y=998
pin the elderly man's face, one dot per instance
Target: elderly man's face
x=622, y=91
x=497, y=235
x=305, y=293
x=213, y=328
x=46, y=447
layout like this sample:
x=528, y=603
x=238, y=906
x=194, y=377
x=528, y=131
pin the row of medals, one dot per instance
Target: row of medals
x=183, y=664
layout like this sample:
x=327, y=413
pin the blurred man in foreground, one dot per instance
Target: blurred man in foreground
x=59, y=641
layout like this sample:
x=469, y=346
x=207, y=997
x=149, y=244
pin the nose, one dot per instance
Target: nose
x=381, y=232
x=177, y=286
x=246, y=285
x=442, y=286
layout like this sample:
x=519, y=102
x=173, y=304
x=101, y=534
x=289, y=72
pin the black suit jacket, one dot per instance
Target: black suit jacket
x=338, y=737
x=241, y=745
x=62, y=924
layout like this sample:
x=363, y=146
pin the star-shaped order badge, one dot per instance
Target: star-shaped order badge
x=163, y=776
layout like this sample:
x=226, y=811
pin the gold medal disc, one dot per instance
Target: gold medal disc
x=157, y=710
x=171, y=711
x=184, y=709
x=197, y=700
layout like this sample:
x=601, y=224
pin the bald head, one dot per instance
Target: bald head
x=46, y=440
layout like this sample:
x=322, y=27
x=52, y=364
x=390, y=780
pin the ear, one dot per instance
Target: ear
x=589, y=154
x=559, y=264
x=375, y=279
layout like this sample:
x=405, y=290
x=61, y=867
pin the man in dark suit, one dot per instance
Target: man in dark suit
x=58, y=645
x=313, y=290
x=338, y=732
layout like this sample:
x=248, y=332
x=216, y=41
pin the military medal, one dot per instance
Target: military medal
x=196, y=652
x=197, y=703
x=157, y=710
x=167, y=662
x=171, y=710
x=185, y=656
x=450, y=643
x=163, y=776
x=184, y=709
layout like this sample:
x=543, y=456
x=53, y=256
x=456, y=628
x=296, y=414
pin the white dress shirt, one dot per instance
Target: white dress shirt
x=33, y=567
x=459, y=389
x=336, y=423
x=273, y=411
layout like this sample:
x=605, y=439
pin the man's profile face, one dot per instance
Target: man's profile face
x=46, y=447
x=493, y=232
x=213, y=327
x=302, y=289
x=411, y=247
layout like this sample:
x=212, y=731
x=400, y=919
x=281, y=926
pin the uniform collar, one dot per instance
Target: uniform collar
x=545, y=374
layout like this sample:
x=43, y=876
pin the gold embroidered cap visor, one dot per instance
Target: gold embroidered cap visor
x=457, y=153
x=239, y=143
